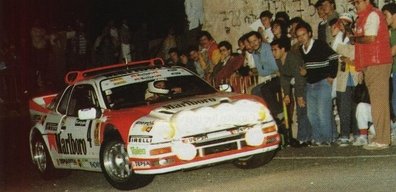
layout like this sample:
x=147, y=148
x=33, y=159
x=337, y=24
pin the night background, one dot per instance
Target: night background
x=18, y=15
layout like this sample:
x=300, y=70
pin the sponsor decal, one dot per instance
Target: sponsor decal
x=151, y=123
x=189, y=103
x=94, y=164
x=67, y=162
x=141, y=164
x=147, y=125
x=138, y=151
x=140, y=139
x=118, y=81
x=52, y=142
x=70, y=145
x=51, y=126
x=80, y=123
x=146, y=128
x=96, y=134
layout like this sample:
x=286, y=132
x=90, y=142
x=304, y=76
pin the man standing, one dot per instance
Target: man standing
x=373, y=57
x=320, y=63
x=267, y=70
x=289, y=64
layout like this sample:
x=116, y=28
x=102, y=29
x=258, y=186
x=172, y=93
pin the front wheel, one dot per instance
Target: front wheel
x=42, y=160
x=117, y=168
x=254, y=161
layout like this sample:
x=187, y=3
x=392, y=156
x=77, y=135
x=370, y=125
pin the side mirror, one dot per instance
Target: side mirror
x=225, y=88
x=89, y=113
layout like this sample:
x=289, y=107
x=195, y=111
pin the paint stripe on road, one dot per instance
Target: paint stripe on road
x=336, y=157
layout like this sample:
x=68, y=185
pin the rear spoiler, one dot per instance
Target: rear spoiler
x=75, y=76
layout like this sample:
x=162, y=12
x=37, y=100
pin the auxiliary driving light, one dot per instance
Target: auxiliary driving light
x=254, y=137
x=184, y=151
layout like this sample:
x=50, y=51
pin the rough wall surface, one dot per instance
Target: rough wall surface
x=229, y=19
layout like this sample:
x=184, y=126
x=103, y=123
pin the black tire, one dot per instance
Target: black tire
x=117, y=169
x=42, y=160
x=254, y=161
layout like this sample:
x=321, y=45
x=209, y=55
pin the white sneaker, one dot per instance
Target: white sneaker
x=360, y=141
x=375, y=146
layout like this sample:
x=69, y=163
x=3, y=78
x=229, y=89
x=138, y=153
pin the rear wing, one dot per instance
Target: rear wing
x=75, y=76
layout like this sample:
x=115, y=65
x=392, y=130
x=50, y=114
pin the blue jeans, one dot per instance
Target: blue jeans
x=346, y=109
x=304, y=132
x=394, y=93
x=319, y=109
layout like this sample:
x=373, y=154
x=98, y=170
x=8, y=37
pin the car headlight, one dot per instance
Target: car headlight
x=254, y=136
x=162, y=130
x=183, y=122
x=184, y=151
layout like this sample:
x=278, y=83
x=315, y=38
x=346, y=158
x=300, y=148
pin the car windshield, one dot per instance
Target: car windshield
x=151, y=86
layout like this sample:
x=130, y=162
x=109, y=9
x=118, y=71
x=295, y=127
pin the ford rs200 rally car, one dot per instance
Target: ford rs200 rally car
x=133, y=121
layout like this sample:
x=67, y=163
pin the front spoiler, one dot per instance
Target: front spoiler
x=209, y=161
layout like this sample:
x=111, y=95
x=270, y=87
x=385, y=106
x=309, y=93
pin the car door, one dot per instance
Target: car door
x=75, y=139
x=53, y=123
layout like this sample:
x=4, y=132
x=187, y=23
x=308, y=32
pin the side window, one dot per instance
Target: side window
x=65, y=99
x=82, y=97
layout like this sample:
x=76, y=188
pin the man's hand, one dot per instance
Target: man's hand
x=303, y=71
x=286, y=100
x=330, y=80
x=300, y=102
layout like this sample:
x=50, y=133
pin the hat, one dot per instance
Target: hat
x=347, y=17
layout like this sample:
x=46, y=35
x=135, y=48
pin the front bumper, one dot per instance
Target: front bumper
x=207, y=153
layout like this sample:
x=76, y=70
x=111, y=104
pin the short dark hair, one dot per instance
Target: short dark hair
x=282, y=43
x=282, y=24
x=295, y=20
x=255, y=33
x=282, y=14
x=266, y=14
x=192, y=48
x=391, y=7
x=205, y=34
x=333, y=21
x=225, y=44
x=173, y=50
x=320, y=3
x=242, y=38
x=305, y=25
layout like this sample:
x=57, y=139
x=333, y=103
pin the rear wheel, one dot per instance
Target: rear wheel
x=254, y=161
x=117, y=168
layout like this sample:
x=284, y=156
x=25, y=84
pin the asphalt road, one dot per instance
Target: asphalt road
x=303, y=169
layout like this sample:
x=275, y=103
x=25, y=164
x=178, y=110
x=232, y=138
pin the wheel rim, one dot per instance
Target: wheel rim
x=40, y=156
x=116, y=162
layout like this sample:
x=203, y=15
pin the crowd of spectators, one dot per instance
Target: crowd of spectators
x=280, y=61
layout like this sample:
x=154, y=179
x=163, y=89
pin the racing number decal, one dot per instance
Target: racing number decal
x=89, y=138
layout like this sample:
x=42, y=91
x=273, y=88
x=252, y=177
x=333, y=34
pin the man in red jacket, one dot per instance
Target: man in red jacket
x=373, y=58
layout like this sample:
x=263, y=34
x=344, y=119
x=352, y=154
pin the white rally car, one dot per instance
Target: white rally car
x=133, y=121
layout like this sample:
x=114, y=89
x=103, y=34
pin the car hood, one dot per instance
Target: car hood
x=197, y=115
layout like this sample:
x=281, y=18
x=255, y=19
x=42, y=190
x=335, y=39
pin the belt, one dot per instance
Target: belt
x=267, y=78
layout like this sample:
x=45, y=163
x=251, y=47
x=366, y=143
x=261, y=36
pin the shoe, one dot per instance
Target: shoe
x=321, y=144
x=297, y=144
x=360, y=141
x=375, y=146
x=343, y=142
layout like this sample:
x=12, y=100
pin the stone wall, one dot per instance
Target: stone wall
x=229, y=19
